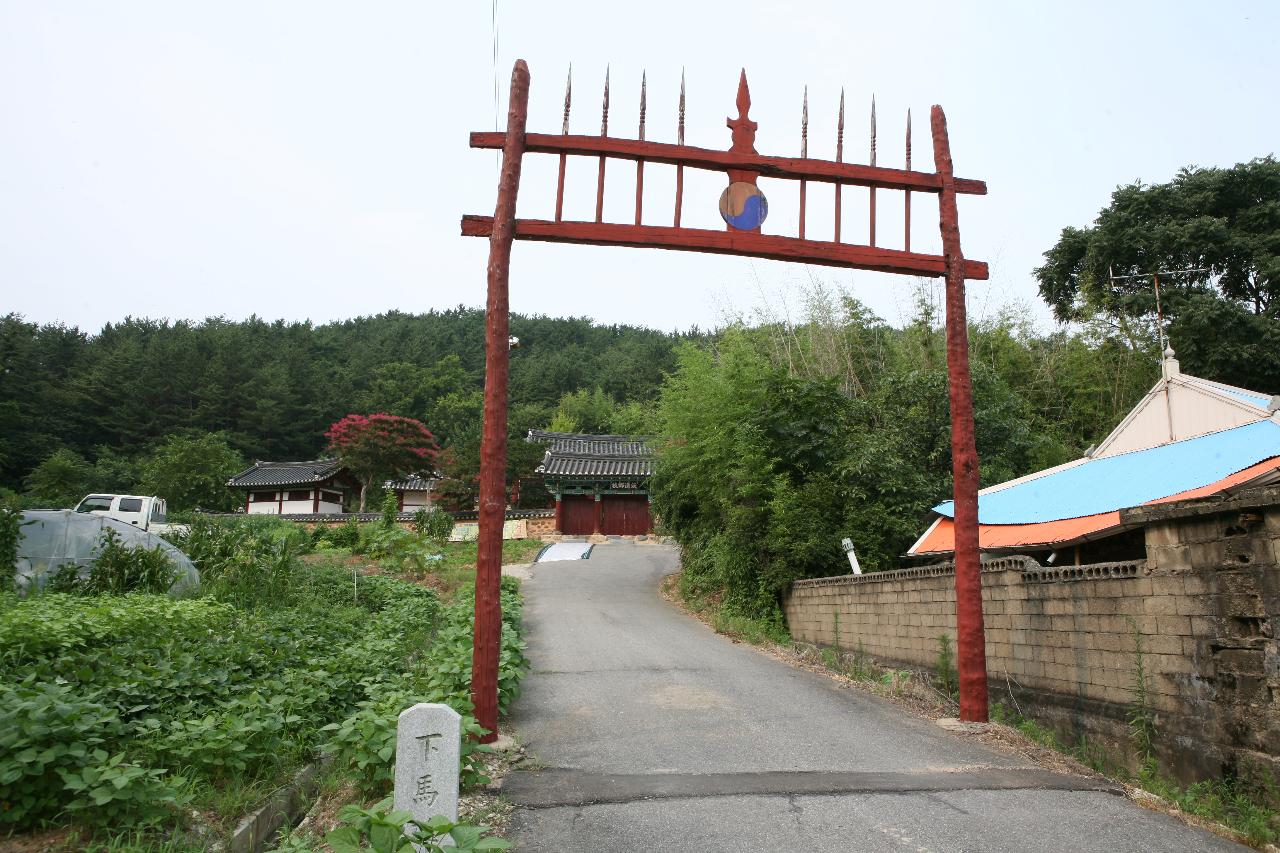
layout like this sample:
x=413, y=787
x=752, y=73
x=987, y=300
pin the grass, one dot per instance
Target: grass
x=454, y=573
x=711, y=609
x=1246, y=806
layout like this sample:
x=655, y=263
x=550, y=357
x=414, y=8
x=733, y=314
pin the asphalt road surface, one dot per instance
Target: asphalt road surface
x=658, y=734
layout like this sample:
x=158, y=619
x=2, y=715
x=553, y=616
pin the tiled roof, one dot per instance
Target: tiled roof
x=285, y=473
x=580, y=455
x=592, y=445
x=564, y=465
x=411, y=484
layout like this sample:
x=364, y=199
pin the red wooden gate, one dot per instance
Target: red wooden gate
x=743, y=207
x=625, y=515
x=578, y=515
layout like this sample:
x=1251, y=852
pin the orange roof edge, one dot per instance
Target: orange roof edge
x=941, y=539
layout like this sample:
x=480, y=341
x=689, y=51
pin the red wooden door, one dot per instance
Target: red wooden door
x=625, y=515
x=578, y=515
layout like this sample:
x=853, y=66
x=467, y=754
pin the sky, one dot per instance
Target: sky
x=309, y=160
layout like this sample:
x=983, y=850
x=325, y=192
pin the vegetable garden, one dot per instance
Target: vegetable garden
x=137, y=713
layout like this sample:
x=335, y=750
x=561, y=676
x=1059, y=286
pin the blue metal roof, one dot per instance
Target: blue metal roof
x=1129, y=479
x=1259, y=400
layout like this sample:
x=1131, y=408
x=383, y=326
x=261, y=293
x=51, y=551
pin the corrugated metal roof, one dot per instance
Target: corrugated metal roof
x=1128, y=479
x=285, y=473
x=941, y=537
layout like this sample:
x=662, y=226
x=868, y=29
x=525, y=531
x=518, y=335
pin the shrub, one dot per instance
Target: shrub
x=10, y=536
x=118, y=568
x=434, y=524
x=345, y=535
x=245, y=561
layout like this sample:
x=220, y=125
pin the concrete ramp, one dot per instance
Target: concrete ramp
x=564, y=551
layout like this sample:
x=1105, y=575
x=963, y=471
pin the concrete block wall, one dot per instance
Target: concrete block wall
x=1062, y=641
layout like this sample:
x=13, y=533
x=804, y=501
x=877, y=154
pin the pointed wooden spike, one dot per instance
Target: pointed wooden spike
x=908, y=139
x=840, y=130
x=873, y=130
x=568, y=99
x=744, y=96
x=680, y=125
x=804, y=125
x=644, y=97
x=604, y=115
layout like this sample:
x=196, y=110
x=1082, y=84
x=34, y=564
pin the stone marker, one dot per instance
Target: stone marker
x=428, y=739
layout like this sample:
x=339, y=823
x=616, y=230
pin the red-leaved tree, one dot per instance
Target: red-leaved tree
x=381, y=447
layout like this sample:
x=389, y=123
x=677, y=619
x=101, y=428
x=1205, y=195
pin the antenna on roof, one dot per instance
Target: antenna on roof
x=1166, y=351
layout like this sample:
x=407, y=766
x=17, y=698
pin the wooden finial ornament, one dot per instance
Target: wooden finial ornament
x=839, y=159
x=804, y=125
x=840, y=131
x=680, y=123
x=680, y=141
x=604, y=112
x=804, y=153
x=873, y=130
x=742, y=206
x=568, y=101
x=644, y=90
x=604, y=131
x=906, y=202
x=872, y=195
x=744, y=129
x=644, y=97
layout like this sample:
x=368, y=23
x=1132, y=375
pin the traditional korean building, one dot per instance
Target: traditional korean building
x=1187, y=438
x=294, y=488
x=413, y=493
x=600, y=482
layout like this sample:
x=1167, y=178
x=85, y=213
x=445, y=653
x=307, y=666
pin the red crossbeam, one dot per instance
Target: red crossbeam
x=795, y=168
x=727, y=243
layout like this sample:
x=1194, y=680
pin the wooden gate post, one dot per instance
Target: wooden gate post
x=493, y=441
x=971, y=651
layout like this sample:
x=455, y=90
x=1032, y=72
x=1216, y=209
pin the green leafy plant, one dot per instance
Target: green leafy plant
x=390, y=509
x=385, y=831
x=945, y=678
x=1140, y=716
x=117, y=569
x=471, y=772
x=11, y=524
x=345, y=535
x=109, y=788
x=435, y=524
x=46, y=729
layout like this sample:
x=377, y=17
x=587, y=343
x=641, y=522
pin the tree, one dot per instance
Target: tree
x=1225, y=221
x=380, y=447
x=61, y=480
x=584, y=411
x=191, y=471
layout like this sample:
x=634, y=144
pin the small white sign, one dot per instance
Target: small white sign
x=428, y=740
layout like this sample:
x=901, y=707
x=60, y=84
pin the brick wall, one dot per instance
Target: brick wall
x=1061, y=641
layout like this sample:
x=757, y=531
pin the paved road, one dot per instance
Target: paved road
x=658, y=734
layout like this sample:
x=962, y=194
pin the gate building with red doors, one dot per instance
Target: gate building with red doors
x=600, y=482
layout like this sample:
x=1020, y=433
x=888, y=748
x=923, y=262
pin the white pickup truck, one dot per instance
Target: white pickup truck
x=143, y=511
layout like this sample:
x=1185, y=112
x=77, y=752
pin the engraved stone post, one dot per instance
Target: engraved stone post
x=428, y=739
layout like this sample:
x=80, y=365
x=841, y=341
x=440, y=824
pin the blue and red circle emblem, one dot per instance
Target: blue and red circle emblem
x=743, y=206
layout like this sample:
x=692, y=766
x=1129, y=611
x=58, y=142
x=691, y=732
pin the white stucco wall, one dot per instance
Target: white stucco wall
x=416, y=500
